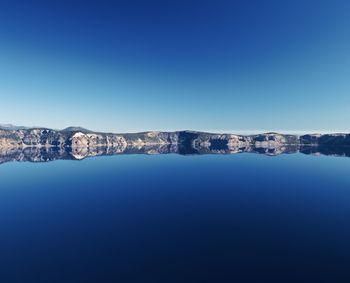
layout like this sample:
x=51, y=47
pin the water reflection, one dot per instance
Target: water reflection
x=46, y=154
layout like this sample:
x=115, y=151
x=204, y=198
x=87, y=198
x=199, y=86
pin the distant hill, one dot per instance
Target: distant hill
x=11, y=127
x=76, y=129
x=68, y=129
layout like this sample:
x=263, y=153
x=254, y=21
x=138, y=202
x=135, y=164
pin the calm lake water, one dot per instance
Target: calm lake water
x=173, y=218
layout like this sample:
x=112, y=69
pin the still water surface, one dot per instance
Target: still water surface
x=172, y=218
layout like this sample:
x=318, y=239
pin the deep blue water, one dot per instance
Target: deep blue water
x=172, y=218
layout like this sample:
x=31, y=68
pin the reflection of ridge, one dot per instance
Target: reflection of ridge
x=34, y=154
x=336, y=150
x=46, y=154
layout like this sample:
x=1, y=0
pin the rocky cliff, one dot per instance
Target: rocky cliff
x=38, y=144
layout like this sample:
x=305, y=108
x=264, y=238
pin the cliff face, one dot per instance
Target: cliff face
x=41, y=144
x=81, y=143
x=77, y=137
x=42, y=137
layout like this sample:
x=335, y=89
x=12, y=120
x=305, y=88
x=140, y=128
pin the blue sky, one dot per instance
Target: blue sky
x=127, y=66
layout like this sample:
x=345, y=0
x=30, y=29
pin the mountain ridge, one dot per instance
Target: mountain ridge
x=40, y=144
x=13, y=136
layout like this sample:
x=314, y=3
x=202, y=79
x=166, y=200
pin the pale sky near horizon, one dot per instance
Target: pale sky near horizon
x=127, y=66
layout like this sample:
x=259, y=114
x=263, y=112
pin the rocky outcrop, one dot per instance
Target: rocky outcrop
x=41, y=144
x=46, y=154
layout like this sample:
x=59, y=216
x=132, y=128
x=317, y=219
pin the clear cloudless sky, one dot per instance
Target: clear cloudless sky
x=220, y=65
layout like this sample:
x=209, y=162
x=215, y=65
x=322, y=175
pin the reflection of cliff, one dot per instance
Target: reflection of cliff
x=33, y=154
x=326, y=150
x=46, y=154
x=41, y=145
